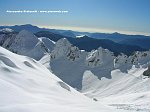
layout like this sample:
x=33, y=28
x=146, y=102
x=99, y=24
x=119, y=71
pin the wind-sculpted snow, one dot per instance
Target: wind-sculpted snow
x=63, y=85
x=28, y=64
x=7, y=61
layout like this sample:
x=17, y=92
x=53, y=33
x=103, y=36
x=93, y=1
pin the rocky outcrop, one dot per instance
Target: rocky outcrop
x=99, y=57
x=64, y=48
x=147, y=72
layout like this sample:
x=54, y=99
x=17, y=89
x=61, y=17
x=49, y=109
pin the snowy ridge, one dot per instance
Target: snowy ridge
x=26, y=43
x=138, y=58
x=101, y=63
x=23, y=42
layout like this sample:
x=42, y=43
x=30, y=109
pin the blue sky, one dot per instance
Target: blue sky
x=125, y=16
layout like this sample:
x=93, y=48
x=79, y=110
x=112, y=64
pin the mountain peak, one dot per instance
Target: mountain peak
x=61, y=48
x=25, y=33
x=116, y=33
x=64, y=48
x=63, y=42
x=27, y=25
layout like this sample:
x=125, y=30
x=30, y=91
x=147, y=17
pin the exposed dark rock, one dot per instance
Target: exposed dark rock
x=147, y=72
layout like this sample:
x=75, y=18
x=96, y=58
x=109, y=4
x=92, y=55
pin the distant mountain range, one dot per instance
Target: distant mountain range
x=28, y=27
x=115, y=42
x=86, y=43
x=138, y=40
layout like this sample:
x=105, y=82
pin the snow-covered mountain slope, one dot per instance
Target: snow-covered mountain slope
x=28, y=86
x=69, y=63
x=47, y=42
x=26, y=43
x=120, y=83
x=5, y=36
x=126, y=91
x=97, y=70
x=102, y=76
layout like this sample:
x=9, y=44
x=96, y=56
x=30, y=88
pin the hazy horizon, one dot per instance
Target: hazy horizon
x=83, y=29
x=106, y=16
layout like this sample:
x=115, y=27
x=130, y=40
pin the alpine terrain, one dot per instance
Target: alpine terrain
x=39, y=74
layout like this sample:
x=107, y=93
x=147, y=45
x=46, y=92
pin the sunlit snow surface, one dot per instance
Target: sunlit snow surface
x=28, y=86
x=124, y=91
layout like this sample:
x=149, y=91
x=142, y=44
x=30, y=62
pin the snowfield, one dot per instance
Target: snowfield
x=124, y=91
x=28, y=86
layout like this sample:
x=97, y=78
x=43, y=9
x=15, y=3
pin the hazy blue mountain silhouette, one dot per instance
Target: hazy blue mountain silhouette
x=28, y=27
x=68, y=33
x=141, y=42
x=86, y=43
x=136, y=42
